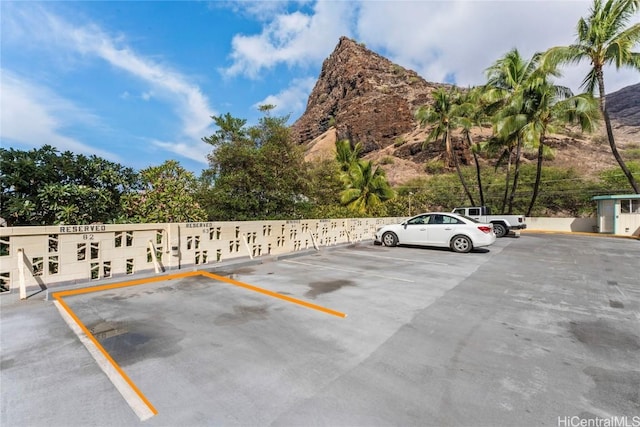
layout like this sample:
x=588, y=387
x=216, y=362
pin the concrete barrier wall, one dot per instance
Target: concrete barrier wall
x=562, y=224
x=42, y=256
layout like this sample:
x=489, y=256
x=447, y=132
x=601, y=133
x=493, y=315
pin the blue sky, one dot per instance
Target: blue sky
x=137, y=82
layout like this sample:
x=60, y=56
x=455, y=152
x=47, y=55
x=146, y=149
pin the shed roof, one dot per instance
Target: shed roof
x=617, y=197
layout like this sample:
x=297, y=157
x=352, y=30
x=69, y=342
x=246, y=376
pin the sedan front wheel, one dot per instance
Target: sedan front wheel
x=461, y=244
x=389, y=239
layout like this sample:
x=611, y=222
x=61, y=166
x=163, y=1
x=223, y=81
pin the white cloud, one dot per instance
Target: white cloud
x=259, y=10
x=32, y=115
x=170, y=86
x=294, y=39
x=463, y=38
x=441, y=40
x=186, y=149
x=190, y=104
x=293, y=99
x=438, y=39
x=459, y=38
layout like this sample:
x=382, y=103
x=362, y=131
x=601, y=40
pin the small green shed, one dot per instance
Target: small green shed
x=619, y=214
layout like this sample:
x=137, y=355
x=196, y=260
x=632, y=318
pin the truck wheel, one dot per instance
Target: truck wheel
x=389, y=239
x=499, y=229
x=461, y=244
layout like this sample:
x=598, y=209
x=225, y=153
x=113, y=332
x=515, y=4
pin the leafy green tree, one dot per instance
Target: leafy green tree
x=230, y=175
x=71, y=203
x=44, y=187
x=284, y=173
x=168, y=194
x=324, y=187
x=606, y=37
x=255, y=172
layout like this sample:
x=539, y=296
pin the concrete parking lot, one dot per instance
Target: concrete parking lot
x=528, y=332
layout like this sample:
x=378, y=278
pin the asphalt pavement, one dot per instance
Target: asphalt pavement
x=530, y=331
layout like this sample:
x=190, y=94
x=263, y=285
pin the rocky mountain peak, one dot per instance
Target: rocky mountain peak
x=624, y=106
x=366, y=97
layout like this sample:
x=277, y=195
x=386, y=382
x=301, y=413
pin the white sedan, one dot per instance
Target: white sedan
x=457, y=232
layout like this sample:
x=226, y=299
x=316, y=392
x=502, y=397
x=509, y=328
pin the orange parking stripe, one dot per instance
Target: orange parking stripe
x=125, y=284
x=60, y=295
x=275, y=294
x=104, y=352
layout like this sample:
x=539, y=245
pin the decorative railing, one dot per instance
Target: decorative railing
x=44, y=256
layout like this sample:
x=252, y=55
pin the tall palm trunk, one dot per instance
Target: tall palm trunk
x=612, y=142
x=462, y=180
x=516, y=174
x=506, y=182
x=447, y=146
x=536, y=185
x=475, y=159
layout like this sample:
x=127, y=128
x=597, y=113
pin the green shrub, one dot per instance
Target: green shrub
x=398, y=141
x=562, y=191
x=632, y=154
x=600, y=139
x=434, y=167
x=573, y=134
x=548, y=153
x=398, y=70
x=614, y=181
x=387, y=160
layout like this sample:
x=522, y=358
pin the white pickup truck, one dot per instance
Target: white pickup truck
x=502, y=224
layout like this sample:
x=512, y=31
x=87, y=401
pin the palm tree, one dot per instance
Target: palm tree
x=508, y=78
x=604, y=38
x=446, y=114
x=504, y=149
x=548, y=106
x=346, y=155
x=439, y=114
x=365, y=187
x=473, y=114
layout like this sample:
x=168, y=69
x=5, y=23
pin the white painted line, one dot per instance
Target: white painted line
x=348, y=271
x=633, y=291
x=138, y=405
x=620, y=291
x=362, y=253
